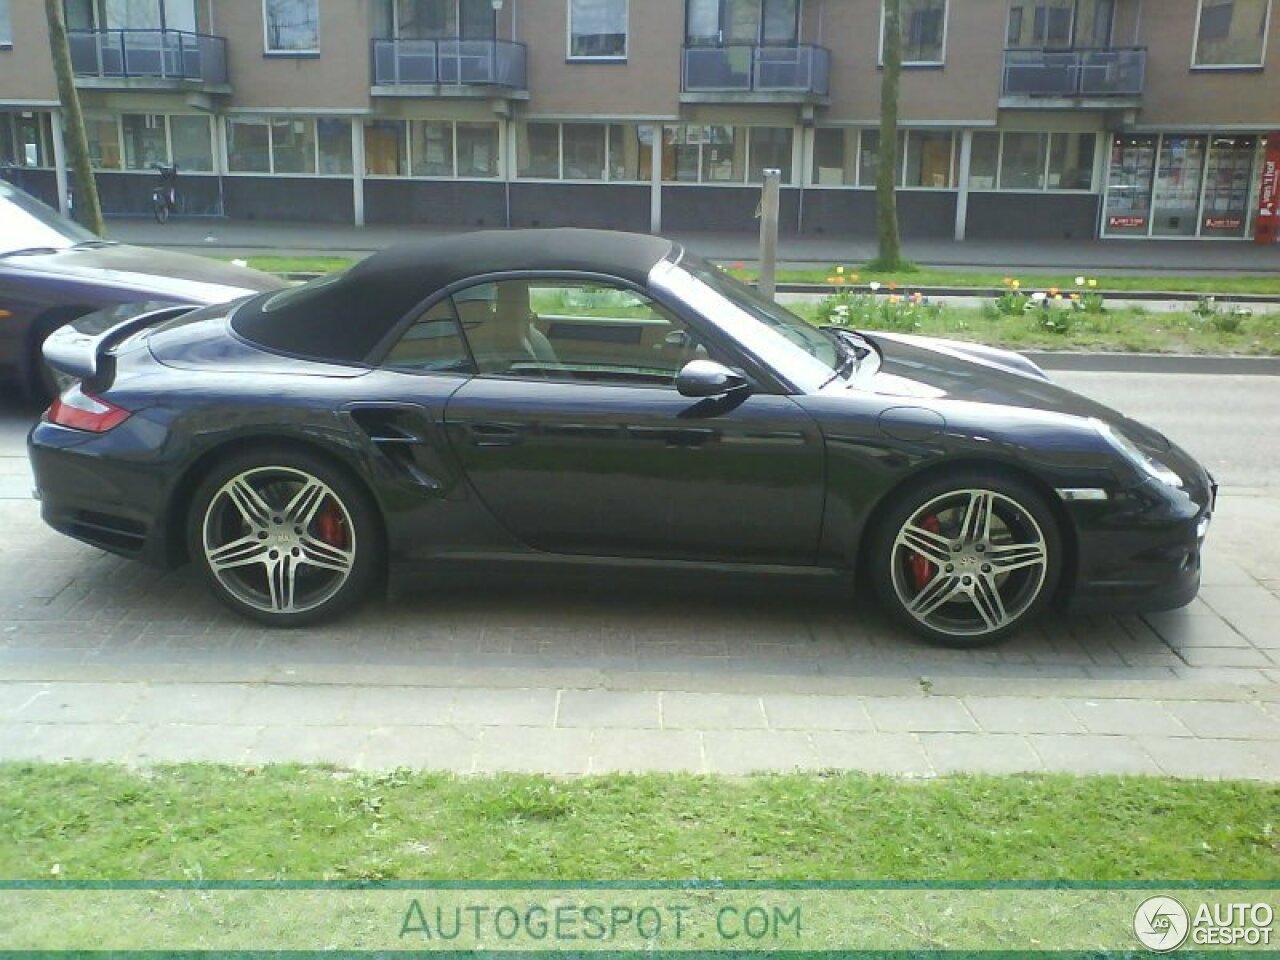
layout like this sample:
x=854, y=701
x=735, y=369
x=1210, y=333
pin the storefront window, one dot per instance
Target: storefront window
x=770, y=149
x=984, y=162
x=869, y=165
x=386, y=148
x=584, y=151
x=624, y=152
x=538, y=148
x=249, y=145
x=192, y=143
x=334, y=138
x=928, y=160
x=477, y=149
x=144, y=141
x=1232, y=33
x=431, y=145
x=103, y=134
x=1023, y=161
x=1071, y=161
x=1176, y=194
x=834, y=153
x=1228, y=186
x=293, y=145
x=1129, y=183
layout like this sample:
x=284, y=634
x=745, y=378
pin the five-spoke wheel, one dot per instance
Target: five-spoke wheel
x=966, y=560
x=285, y=539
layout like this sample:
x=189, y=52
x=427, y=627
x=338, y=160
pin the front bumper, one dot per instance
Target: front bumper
x=1141, y=551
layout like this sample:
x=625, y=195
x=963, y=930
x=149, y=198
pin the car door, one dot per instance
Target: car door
x=575, y=438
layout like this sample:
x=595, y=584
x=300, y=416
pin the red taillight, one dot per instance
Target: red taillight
x=83, y=411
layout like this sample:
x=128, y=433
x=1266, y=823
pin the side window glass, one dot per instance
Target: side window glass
x=575, y=330
x=432, y=344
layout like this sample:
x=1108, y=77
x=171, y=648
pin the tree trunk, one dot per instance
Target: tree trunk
x=890, y=244
x=88, y=207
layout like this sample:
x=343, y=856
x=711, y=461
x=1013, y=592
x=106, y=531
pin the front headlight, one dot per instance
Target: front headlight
x=1136, y=455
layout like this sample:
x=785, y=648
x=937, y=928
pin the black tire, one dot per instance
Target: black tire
x=160, y=207
x=986, y=583
x=308, y=548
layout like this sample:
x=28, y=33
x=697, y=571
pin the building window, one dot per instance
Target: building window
x=597, y=29
x=929, y=159
x=835, y=153
x=869, y=157
x=140, y=141
x=6, y=25
x=770, y=149
x=440, y=149
x=1047, y=23
x=291, y=26
x=103, y=134
x=191, y=143
x=924, y=32
x=1231, y=33
x=26, y=139
x=1032, y=161
x=578, y=151
x=288, y=146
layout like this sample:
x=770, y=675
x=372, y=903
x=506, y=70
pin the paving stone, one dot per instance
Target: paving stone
x=1226, y=759
x=1226, y=657
x=534, y=750
x=615, y=750
x=497, y=707
x=81, y=703
x=800, y=712
x=1022, y=715
x=1245, y=601
x=15, y=696
x=99, y=742
x=920, y=715
x=711, y=711
x=1228, y=721
x=1180, y=631
x=342, y=746
x=1091, y=754
x=608, y=708
x=1127, y=718
x=449, y=749
x=202, y=703
x=273, y=704
x=980, y=753
x=1262, y=632
x=380, y=706
x=894, y=754
x=178, y=743
x=753, y=751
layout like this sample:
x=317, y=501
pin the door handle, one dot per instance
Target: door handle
x=495, y=434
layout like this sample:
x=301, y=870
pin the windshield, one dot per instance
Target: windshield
x=777, y=318
x=26, y=223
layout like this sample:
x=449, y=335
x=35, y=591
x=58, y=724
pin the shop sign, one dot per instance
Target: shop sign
x=1128, y=222
x=1223, y=223
x=1269, y=197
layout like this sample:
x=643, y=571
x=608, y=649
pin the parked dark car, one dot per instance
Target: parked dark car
x=53, y=270
x=575, y=395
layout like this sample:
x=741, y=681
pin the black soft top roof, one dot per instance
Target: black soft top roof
x=343, y=319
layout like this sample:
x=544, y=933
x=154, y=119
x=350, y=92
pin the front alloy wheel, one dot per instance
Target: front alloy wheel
x=285, y=542
x=971, y=563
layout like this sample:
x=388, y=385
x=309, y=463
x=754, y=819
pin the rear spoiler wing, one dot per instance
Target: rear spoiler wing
x=82, y=348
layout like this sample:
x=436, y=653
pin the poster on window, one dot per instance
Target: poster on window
x=1269, y=195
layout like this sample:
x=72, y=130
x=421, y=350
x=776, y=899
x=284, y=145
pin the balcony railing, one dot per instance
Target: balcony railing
x=1115, y=72
x=149, y=54
x=749, y=68
x=495, y=63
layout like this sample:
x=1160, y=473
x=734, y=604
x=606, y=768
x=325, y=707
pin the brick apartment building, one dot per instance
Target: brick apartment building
x=1022, y=118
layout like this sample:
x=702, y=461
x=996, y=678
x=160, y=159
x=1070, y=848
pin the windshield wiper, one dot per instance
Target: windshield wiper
x=29, y=252
x=852, y=349
x=94, y=244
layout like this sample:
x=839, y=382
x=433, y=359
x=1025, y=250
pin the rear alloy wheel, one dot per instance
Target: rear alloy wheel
x=968, y=563
x=286, y=540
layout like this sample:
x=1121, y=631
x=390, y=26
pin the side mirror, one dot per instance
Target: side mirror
x=706, y=378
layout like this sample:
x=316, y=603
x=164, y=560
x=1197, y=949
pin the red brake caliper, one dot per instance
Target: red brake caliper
x=331, y=526
x=922, y=570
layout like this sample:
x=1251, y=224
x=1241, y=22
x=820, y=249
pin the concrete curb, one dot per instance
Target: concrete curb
x=1154, y=363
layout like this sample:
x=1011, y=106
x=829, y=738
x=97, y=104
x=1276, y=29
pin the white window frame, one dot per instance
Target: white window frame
x=271, y=51
x=1262, y=54
x=611, y=58
x=6, y=18
x=1100, y=141
x=946, y=24
x=167, y=119
x=270, y=119
x=499, y=161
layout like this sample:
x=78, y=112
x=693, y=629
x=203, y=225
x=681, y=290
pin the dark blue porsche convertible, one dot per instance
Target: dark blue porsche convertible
x=573, y=395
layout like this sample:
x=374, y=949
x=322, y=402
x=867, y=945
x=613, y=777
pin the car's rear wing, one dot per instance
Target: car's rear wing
x=82, y=348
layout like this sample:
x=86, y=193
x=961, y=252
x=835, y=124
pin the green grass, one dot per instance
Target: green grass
x=1113, y=331
x=922, y=277
x=220, y=823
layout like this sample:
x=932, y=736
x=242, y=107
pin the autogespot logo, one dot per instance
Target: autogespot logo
x=1161, y=924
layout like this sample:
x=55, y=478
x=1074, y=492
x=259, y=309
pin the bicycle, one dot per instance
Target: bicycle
x=165, y=199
